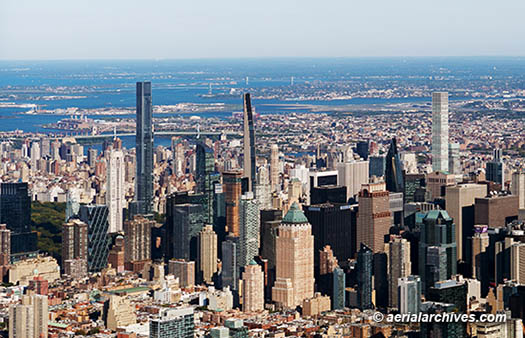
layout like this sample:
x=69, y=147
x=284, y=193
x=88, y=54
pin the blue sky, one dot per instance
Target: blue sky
x=79, y=29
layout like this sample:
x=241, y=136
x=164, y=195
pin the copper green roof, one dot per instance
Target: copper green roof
x=435, y=214
x=252, y=262
x=295, y=215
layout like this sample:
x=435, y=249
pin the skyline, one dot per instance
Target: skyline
x=205, y=29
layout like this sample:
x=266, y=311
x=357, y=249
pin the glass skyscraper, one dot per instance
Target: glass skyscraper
x=15, y=212
x=144, y=148
x=96, y=217
x=250, y=168
x=394, y=169
x=364, y=277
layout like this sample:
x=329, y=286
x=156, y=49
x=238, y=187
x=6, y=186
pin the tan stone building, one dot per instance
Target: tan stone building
x=316, y=305
x=517, y=262
x=207, y=253
x=399, y=266
x=459, y=197
x=437, y=181
x=374, y=217
x=183, y=270
x=294, y=260
x=120, y=312
x=252, y=288
x=30, y=318
x=25, y=270
x=137, y=244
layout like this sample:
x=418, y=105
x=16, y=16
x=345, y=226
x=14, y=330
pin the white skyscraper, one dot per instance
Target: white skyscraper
x=274, y=167
x=115, y=199
x=352, y=174
x=35, y=155
x=440, y=131
x=518, y=187
x=249, y=224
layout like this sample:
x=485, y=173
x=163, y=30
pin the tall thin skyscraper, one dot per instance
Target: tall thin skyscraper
x=249, y=143
x=440, y=131
x=365, y=259
x=207, y=253
x=144, y=148
x=232, y=190
x=249, y=226
x=518, y=187
x=274, y=167
x=115, y=199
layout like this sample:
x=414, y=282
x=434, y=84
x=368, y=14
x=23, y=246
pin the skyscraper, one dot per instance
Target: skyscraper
x=362, y=149
x=374, y=216
x=335, y=226
x=518, y=188
x=437, y=248
x=137, y=244
x=250, y=168
x=15, y=212
x=454, y=164
x=409, y=294
x=183, y=223
x=274, y=167
x=364, y=277
x=295, y=260
x=21, y=318
x=440, y=131
x=115, y=199
x=496, y=169
x=96, y=218
x=207, y=253
x=352, y=174
x=249, y=224
x=144, y=149
x=206, y=177
x=338, y=296
x=29, y=319
x=399, y=266
x=459, y=201
x=230, y=271
x=253, y=288
x=394, y=169
x=74, y=246
x=233, y=190
x=5, y=250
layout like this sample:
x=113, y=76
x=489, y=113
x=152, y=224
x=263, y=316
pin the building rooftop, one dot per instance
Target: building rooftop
x=295, y=215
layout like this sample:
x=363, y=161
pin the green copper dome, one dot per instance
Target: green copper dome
x=295, y=215
x=252, y=262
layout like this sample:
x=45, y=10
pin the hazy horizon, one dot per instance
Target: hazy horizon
x=231, y=29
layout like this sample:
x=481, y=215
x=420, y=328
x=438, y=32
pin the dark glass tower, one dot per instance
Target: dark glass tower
x=15, y=212
x=184, y=221
x=15, y=207
x=96, y=217
x=394, y=169
x=362, y=149
x=364, y=277
x=250, y=169
x=144, y=148
x=206, y=178
x=437, y=248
